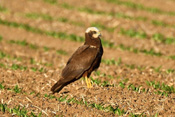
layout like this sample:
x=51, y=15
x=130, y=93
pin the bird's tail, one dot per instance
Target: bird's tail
x=60, y=84
x=57, y=87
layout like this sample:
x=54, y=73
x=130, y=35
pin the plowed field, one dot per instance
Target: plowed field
x=137, y=73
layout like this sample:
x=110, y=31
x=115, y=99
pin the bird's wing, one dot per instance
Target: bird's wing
x=79, y=62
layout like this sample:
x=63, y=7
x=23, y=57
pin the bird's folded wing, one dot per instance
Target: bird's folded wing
x=79, y=62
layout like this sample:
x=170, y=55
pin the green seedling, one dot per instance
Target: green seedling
x=125, y=80
x=48, y=64
x=91, y=11
x=22, y=43
x=34, y=69
x=137, y=115
x=46, y=48
x=32, y=61
x=49, y=96
x=161, y=93
x=105, y=84
x=158, y=23
x=3, y=9
x=76, y=23
x=41, y=69
x=110, y=76
x=15, y=67
x=131, y=86
x=65, y=20
x=73, y=37
x=115, y=110
x=158, y=69
x=3, y=107
x=19, y=111
x=107, y=44
x=141, y=68
x=2, y=54
x=50, y=18
x=37, y=15
x=62, y=99
x=131, y=49
x=33, y=46
x=51, y=1
x=161, y=23
x=158, y=37
x=122, y=85
x=1, y=86
x=112, y=61
x=60, y=35
x=137, y=6
x=2, y=65
x=133, y=33
x=61, y=52
x=67, y=6
x=169, y=71
x=122, y=15
x=172, y=57
x=132, y=66
x=96, y=81
x=97, y=106
x=97, y=73
x=1, y=38
x=136, y=50
x=151, y=52
x=167, y=89
x=17, y=89
x=118, y=15
x=32, y=92
x=103, y=27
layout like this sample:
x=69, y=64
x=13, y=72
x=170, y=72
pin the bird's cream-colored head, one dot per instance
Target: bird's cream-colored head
x=95, y=32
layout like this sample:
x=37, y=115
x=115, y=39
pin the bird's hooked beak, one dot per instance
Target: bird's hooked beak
x=99, y=34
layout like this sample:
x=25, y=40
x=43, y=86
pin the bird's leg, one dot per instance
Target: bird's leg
x=87, y=81
x=90, y=85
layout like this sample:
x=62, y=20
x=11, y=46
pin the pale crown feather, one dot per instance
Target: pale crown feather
x=94, y=29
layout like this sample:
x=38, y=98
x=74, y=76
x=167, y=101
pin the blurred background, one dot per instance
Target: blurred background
x=38, y=36
x=135, y=26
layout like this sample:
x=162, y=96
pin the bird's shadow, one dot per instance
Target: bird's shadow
x=65, y=92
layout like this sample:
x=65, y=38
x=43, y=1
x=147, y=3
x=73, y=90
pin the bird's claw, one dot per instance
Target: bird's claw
x=88, y=82
x=90, y=85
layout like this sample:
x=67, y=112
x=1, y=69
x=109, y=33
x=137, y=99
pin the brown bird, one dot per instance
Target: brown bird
x=86, y=59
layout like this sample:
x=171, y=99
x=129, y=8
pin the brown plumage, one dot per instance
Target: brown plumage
x=85, y=59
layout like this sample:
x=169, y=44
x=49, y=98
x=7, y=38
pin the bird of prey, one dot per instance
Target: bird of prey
x=86, y=59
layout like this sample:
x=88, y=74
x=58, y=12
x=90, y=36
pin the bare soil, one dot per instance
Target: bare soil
x=35, y=85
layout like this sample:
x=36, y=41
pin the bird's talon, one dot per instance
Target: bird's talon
x=87, y=82
x=90, y=85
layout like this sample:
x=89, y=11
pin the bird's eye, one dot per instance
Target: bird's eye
x=94, y=32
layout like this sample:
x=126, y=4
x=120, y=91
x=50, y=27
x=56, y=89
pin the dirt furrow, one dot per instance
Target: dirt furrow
x=63, y=44
x=136, y=76
x=83, y=18
x=120, y=97
x=115, y=37
x=114, y=8
x=167, y=5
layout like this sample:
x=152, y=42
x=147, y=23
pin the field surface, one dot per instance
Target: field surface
x=137, y=74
